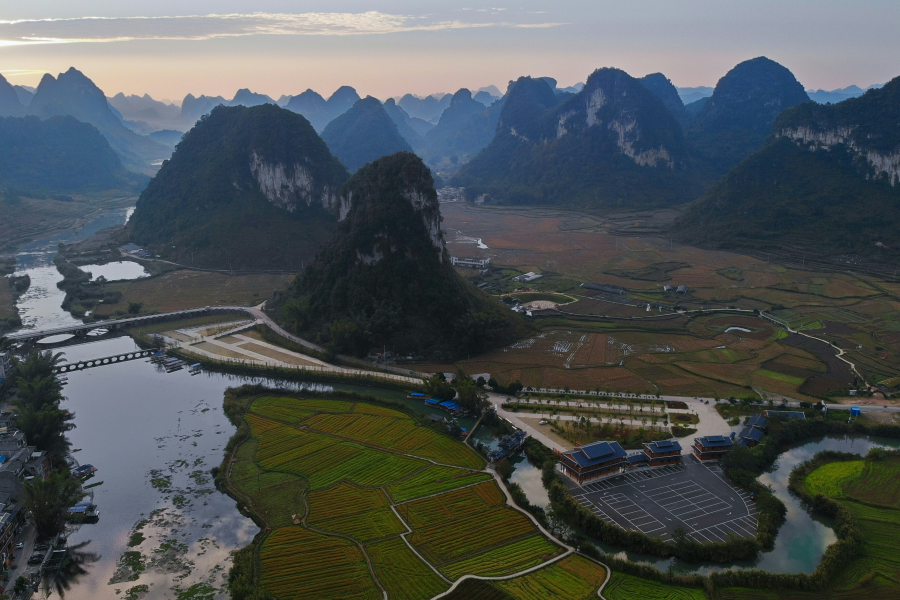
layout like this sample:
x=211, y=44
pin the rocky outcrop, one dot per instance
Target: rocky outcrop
x=882, y=164
x=290, y=187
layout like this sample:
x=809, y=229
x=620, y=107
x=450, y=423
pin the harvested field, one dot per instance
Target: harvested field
x=285, y=357
x=179, y=290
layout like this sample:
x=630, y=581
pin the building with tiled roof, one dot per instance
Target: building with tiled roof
x=663, y=452
x=749, y=437
x=590, y=462
x=711, y=447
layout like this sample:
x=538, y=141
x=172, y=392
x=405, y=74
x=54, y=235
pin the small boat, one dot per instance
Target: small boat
x=85, y=471
x=84, y=512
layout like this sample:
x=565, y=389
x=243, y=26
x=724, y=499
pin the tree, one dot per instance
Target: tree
x=45, y=428
x=38, y=364
x=46, y=501
x=134, y=308
x=468, y=394
x=41, y=390
x=437, y=386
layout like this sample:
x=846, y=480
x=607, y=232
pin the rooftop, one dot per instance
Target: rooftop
x=663, y=446
x=714, y=441
x=596, y=453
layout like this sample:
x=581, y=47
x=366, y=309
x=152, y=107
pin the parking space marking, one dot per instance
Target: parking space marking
x=634, y=514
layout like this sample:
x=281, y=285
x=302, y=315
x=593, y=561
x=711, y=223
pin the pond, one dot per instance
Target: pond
x=802, y=540
x=525, y=474
x=116, y=271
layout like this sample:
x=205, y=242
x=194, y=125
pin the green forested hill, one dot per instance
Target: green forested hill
x=385, y=277
x=62, y=156
x=363, y=133
x=827, y=177
x=246, y=188
x=735, y=121
x=612, y=144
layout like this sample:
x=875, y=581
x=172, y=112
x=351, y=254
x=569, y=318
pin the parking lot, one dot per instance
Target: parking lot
x=693, y=496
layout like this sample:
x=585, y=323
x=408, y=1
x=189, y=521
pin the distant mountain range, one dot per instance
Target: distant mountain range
x=60, y=155
x=363, y=134
x=71, y=93
x=247, y=188
x=828, y=177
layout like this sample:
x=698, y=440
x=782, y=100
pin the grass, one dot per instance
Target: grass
x=572, y=577
x=830, y=479
x=628, y=587
x=404, y=575
x=179, y=290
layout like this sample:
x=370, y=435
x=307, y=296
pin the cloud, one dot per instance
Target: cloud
x=205, y=27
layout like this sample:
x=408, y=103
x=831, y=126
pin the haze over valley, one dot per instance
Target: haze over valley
x=449, y=301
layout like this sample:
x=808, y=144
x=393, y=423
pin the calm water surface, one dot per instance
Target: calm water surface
x=41, y=305
x=116, y=271
x=154, y=437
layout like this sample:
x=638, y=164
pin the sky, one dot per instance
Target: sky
x=169, y=48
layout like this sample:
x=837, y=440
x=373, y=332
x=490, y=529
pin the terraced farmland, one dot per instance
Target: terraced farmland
x=326, y=476
x=572, y=577
x=627, y=587
x=296, y=564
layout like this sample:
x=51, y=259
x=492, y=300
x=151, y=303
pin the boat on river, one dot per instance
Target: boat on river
x=83, y=512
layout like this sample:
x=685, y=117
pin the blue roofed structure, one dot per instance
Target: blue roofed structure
x=750, y=436
x=758, y=422
x=663, y=452
x=593, y=461
x=711, y=447
x=637, y=459
x=432, y=401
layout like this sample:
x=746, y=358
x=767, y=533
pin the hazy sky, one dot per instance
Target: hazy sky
x=168, y=48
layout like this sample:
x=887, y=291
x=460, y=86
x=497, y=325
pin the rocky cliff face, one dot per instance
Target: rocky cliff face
x=291, y=186
x=260, y=174
x=866, y=128
x=827, y=177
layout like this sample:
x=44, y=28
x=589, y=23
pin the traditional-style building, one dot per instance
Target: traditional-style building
x=749, y=437
x=758, y=422
x=593, y=461
x=711, y=447
x=661, y=453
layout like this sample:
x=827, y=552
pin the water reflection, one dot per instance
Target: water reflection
x=68, y=568
x=116, y=271
x=41, y=305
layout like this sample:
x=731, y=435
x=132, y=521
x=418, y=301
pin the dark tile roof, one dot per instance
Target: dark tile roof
x=636, y=458
x=663, y=446
x=714, y=441
x=751, y=433
x=596, y=453
x=758, y=421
